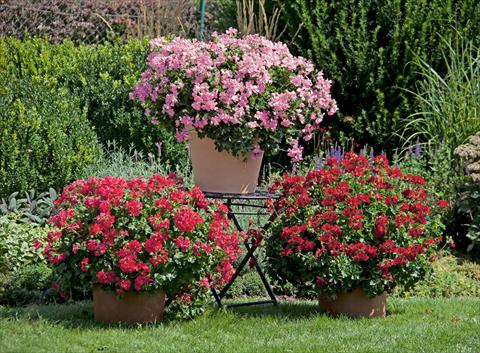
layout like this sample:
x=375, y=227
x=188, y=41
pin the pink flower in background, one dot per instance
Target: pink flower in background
x=182, y=135
x=295, y=152
x=257, y=151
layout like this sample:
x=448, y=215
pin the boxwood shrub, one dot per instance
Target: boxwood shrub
x=45, y=137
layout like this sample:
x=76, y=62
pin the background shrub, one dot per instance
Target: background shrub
x=366, y=49
x=30, y=284
x=448, y=103
x=45, y=137
x=452, y=276
x=249, y=284
x=129, y=164
x=100, y=79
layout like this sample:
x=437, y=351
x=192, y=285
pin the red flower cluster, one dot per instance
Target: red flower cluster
x=354, y=222
x=185, y=219
x=128, y=235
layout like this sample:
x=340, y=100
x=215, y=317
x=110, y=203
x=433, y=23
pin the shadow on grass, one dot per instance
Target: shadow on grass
x=72, y=315
x=80, y=314
x=288, y=310
x=299, y=309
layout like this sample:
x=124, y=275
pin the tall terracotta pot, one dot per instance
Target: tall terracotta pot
x=356, y=304
x=221, y=172
x=133, y=307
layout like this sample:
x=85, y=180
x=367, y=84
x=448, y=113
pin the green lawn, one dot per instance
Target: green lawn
x=412, y=325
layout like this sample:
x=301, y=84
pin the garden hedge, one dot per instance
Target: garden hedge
x=45, y=137
x=100, y=78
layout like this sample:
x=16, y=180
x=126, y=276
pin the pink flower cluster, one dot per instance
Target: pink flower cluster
x=246, y=83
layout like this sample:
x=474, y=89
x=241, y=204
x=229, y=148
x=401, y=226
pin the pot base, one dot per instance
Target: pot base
x=133, y=307
x=356, y=304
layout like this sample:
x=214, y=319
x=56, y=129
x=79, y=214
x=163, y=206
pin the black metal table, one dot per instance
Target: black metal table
x=240, y=200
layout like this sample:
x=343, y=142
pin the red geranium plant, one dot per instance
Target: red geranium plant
x=352, y=223
x=140, y=235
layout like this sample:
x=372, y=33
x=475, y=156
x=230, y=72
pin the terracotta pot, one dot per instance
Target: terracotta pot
x=133, y=307
x=356, y=303
x=221, y=172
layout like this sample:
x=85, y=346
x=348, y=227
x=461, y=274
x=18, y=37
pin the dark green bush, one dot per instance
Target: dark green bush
x=101, y=78
x=32, y=277
x=366, y=48
x=29, y=284
x=45, y=137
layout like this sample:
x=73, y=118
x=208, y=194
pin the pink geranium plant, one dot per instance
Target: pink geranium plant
x=247, y=94
x=140, y=235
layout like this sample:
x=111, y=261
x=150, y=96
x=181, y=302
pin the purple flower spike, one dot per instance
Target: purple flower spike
x=320, y=163
x=418, y=148
x=159, y=148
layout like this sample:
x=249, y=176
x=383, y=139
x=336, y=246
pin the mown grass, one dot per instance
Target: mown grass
x=412, y=325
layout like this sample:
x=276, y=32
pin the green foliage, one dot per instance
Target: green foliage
x=366, y=48
x=23, y=272
x=451, y=277
x=100, y=77
x=222, y=15
x=33, y=277
x=128, y=164
x=248, y=283
x=45, y=138
x=27, y=285
x=16, y=243
x=33, y=208
x=448, y=103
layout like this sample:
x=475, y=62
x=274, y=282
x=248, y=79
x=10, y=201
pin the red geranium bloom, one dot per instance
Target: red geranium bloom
x=185, y=220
